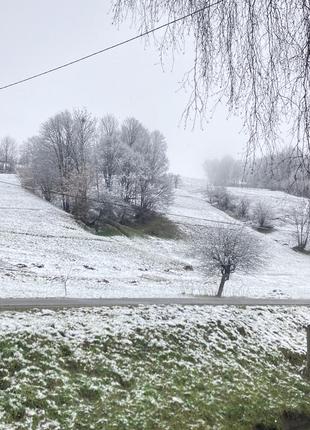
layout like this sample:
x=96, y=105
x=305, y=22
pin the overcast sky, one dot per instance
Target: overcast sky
x=128, y=81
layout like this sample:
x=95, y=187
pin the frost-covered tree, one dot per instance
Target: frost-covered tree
x=8, y=154
x=109, y=150
x=60, y=156
x=38, y=169
x=279, y=171
x=253, y=55
x=67, y=138
x=109, y=125
x=223, y=172
x=144, y=178
x=225, y=250
x=80, y=160
x=133, y=132
x=154, y=183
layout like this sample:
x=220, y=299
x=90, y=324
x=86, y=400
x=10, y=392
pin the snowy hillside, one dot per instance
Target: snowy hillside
x=282, y=206
x=44, y=252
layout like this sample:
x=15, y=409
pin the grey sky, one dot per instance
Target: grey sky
x=128, y=81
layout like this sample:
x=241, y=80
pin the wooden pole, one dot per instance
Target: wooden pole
x=308, y=352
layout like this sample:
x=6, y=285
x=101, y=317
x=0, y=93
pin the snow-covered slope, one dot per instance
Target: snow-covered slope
x=282, y=206
x=44, y=252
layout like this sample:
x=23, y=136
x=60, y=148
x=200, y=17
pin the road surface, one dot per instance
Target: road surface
x=71, y=302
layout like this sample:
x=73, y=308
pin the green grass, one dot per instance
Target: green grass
x=148, y=379
x=158, y=226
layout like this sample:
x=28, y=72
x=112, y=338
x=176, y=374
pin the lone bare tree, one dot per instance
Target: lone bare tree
x=227, y=249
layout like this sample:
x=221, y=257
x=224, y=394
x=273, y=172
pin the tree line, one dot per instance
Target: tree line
x=278, y=171
x=98, y=167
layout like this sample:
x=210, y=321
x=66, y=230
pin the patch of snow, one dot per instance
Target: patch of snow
x=45, y=253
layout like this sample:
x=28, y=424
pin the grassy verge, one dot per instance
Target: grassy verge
x=158, y=369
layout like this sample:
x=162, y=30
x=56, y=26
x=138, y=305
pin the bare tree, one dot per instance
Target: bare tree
x=8, y=154
x=154, y=187
x=224, y=172
x=129, y=173
x=228, y=249
x=109, y=150
x=57, y=160
x=109, y=125
x=38, y=170
x=254, y=55
x=133, y=132
x=301, y=219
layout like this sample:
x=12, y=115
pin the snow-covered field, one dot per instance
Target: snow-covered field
x=44, y=252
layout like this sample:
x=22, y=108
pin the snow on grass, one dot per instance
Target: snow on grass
x=44, y=252
x=152, y=367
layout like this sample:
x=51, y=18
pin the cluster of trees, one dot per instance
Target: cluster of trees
x=280, y=171
x=224, y=172
x=277, y=171
x=260, y=214
x=8, y=155
x=80, y=161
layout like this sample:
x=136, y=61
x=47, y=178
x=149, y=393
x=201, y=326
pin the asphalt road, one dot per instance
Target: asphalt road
x=71, y=302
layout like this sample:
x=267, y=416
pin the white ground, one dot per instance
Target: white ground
x=282, y=206
x=43, y=251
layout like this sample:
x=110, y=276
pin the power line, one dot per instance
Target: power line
x=109, y=48
x=123, y=205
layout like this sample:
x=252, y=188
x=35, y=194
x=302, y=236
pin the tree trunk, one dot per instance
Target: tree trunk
x=221, y=287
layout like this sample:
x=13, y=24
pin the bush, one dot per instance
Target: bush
x=242, y=209
x=262, y=215
x=221, y=198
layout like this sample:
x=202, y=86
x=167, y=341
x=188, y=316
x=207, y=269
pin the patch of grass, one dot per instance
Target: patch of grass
x=110, y=230
x=264, y=230
x=211, y=375
x=301, y=251
x=158, y=226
